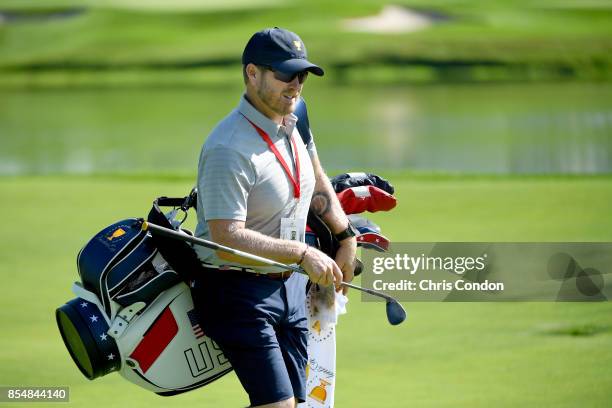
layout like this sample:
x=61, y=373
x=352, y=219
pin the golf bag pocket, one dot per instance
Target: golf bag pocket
x=148, y=281
x=122, y=266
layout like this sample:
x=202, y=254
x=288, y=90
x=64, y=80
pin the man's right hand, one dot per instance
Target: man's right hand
x=321, y=269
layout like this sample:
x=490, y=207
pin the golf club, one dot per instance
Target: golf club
x=395, y=312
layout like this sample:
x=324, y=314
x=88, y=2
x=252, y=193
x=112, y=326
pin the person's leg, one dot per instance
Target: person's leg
x=292, y=335
x=240, y=314
x=261, y=371
x=293, y=343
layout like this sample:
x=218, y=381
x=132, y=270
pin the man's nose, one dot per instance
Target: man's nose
x=295, y=82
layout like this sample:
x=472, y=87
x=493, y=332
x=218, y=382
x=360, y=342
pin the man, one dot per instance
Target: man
x=256, y=183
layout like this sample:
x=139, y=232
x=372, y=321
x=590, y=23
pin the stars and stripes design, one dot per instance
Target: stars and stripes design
x=373, y=240
x=98, y=326
x=195, y=323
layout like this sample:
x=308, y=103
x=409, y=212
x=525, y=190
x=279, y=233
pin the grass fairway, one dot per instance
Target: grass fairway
x=444, y=355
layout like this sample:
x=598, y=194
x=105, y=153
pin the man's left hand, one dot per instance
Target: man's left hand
x=345, y=259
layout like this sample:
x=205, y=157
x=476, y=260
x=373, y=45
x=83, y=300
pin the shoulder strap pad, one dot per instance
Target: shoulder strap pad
x=303, y=125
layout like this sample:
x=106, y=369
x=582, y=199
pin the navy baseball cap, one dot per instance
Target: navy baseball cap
x=280, y=49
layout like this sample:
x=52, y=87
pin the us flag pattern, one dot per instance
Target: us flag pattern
x=195, y=324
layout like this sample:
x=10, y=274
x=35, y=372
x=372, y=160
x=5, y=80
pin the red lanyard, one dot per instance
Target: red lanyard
x=294, y=181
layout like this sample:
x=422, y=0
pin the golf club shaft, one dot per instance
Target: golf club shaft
x=217, y=247
x=372, y=292
x=213, y=245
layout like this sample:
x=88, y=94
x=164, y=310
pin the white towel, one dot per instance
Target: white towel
x=321, y=370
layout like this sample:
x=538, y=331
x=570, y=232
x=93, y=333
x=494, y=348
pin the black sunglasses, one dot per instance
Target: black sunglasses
x=283, y=77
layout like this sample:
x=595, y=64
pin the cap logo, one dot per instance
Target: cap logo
x=298, y=45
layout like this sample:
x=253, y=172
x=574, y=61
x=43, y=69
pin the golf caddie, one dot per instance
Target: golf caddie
x=256, y=182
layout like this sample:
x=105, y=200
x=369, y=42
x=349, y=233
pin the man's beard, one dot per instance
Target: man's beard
x=271, y=100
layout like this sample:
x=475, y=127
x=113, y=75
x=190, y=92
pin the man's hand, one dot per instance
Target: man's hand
x=345, y=258
x=321, y=269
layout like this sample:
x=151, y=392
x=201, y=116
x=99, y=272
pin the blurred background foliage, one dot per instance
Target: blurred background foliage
x=467, y=40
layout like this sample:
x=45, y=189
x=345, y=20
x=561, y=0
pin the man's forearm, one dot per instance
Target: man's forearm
x=326, y=205
x=247, y=240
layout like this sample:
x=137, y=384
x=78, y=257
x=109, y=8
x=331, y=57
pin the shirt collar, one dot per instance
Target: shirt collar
x=266, y=124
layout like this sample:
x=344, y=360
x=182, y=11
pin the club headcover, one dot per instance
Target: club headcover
x=355, y=200
x=359, y=222
x=348, y=180
x=373, y=240
x=368, y=234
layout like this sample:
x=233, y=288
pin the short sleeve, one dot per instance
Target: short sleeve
x=225, y=178
x=311, y=147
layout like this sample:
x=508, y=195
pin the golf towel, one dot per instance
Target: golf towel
x=323, y=308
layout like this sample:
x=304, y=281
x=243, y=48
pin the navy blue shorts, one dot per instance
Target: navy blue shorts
x=260, y=324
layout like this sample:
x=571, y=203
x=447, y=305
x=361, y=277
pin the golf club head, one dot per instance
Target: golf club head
x=395, y=312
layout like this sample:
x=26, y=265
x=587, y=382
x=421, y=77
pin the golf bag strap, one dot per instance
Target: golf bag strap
x=303, y=125
x=179, y=254
x=328, y=244
x=185, y=203
x=123, y=319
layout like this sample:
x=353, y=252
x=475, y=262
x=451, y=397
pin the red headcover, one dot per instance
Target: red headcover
x=356, y=200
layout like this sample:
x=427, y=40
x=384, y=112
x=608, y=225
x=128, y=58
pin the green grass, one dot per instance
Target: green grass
x=444, y=355
x=528, y=39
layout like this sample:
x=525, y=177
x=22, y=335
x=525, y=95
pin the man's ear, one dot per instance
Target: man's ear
x=252, y=72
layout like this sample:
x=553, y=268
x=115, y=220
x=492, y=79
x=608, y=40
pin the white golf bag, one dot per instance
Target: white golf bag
x=134, y=313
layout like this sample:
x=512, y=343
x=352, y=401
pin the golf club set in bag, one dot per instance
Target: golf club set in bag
x=134, y=312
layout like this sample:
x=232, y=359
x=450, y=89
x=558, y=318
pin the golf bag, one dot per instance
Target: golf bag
x=134, y=312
